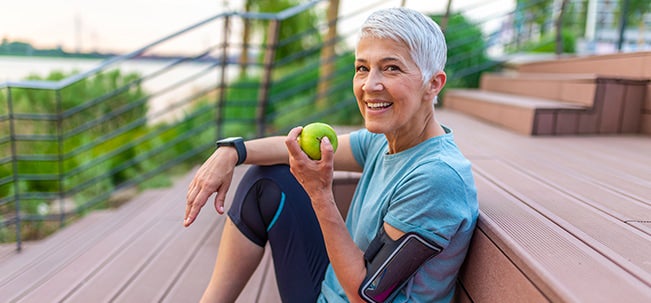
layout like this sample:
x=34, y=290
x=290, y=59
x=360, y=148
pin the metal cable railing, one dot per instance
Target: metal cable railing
x=70, y=144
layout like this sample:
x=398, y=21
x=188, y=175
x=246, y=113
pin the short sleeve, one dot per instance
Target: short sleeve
x=361, y=143
x=432, y=201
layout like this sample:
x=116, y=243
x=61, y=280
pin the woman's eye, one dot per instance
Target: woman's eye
x=361, y=68
x=392, y=68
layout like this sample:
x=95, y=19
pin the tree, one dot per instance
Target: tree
x=559, y=27
x=635, y=11
x=246, y=37
x=289, y=28
x=532, y=13
x=328, y=54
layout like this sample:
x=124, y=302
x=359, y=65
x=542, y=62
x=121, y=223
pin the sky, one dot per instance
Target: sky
x=126, y=25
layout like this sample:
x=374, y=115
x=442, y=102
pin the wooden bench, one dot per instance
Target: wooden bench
x=562, y=219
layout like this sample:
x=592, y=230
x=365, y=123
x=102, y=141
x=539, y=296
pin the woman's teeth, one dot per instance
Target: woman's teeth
x=378, y=105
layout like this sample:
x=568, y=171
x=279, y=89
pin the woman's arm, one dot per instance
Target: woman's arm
x=316, y=178
x=216, y=173
x=343, y=157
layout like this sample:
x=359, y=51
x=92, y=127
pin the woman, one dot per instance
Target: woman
x=414, y=182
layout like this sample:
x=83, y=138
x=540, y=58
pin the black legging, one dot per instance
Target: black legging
x=270, y=205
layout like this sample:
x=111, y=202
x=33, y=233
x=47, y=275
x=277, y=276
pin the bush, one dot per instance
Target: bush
x=467, y=58
x=547, y=44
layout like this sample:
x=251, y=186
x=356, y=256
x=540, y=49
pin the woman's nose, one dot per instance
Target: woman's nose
x=373, y=82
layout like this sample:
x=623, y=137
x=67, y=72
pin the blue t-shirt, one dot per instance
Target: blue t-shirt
x=428, y=189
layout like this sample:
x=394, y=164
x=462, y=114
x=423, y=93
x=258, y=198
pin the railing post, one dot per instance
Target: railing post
x=222, y=80
x=60, y=157
x=622, y=25
x=269, y=55
x=14, y=168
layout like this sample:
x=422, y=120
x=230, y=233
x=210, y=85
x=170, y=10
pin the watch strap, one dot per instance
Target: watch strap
x=238, y=144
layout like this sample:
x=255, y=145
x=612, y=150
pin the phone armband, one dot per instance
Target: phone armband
x=390, y=264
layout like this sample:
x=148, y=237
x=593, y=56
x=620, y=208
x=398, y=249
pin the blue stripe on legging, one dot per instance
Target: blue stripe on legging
x=278, y=211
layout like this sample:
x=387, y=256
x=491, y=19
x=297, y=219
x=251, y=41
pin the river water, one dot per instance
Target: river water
x=16, y=69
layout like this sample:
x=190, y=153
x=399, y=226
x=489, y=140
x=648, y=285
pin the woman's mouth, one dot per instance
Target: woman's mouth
x=378, y=105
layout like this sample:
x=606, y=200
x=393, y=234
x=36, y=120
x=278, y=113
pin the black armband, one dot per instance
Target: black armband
x=390, y=264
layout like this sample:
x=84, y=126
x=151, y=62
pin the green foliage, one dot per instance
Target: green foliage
x=294, y=33
x=534, y=11
x=547, y=44
x=636, y=11
x=238, y=110
x=90, y=138
x=467, y=57
x=294, y=95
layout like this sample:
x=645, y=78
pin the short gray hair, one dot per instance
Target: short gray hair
x=420, y=33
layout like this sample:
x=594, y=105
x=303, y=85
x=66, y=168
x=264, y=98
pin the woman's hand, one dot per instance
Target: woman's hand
x=314, y=176
x=215, y=175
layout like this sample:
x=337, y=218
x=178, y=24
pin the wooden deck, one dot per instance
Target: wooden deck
x=563, y=219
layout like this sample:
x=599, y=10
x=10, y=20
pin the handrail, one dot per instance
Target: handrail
x=59, y=150
x=55, y=85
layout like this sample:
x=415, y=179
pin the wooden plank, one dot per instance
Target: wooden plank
x=66, y=253
x=489, y=276
x=162, y=272
x=560, y=179
x=146, y=268
x=122, y=265
x=578, y=92
x=574, y=158
x=566, y=87
x=611, y=237
x=97, y=272
x=645, y=123
x=567, y=122
x=635, y=64
x=191, y=281
x=515, y=100
x=561, y=265
x=544, y=122
x=632, y=108
x=523, y=114
x=612, y=106
x=196, y=272
x=14, y=263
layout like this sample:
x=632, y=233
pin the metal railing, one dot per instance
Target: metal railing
x=74, y=143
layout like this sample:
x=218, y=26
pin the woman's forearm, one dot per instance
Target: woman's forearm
x=266, y=151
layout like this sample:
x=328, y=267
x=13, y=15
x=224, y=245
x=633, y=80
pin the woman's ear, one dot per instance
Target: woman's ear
x=435, y=85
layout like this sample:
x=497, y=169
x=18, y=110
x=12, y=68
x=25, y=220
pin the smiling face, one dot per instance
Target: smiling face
x=390, y=91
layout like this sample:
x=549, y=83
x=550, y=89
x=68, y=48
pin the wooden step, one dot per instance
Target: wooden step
x=572, y=88
x=622, y=65
x=617, y=107
x=560, y=216
x=525, y=115
x=635, y=65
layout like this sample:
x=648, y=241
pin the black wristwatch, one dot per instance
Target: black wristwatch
x=238, y=143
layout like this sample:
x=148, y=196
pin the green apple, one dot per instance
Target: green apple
x=310, y=139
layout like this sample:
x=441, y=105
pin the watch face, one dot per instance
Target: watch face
x=228, y=141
